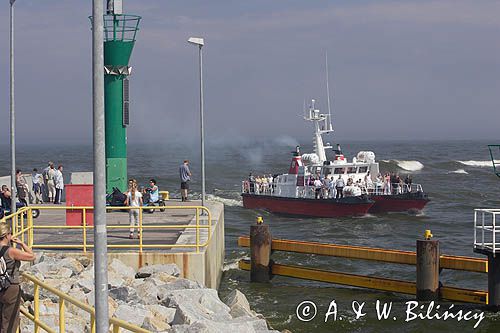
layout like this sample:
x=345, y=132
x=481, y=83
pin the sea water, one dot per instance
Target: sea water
x=457, y=175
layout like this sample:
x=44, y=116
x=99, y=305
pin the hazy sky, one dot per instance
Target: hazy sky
x=398, y=69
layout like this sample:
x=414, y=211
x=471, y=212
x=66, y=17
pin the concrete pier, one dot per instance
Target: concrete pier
x=204, y=266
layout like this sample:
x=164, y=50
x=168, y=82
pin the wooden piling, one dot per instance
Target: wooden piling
x=427, y=270
x=260, y=252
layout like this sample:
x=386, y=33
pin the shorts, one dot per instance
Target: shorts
x=184, y=185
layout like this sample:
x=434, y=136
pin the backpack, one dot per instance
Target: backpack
x=4, y=275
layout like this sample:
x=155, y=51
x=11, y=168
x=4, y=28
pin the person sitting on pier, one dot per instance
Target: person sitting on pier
x=153, y=191
x=5, y=195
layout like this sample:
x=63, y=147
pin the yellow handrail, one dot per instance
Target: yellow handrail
x=25, y=228
x=115, y=323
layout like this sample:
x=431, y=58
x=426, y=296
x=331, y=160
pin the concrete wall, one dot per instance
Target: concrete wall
x=204, y=267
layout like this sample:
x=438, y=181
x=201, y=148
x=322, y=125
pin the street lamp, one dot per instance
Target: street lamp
x=12, y=115
x=200, y=42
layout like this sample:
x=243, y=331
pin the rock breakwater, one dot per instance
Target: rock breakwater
x=154, y=298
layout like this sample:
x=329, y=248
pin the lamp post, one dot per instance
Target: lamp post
x=200, y=42
x=12, y=115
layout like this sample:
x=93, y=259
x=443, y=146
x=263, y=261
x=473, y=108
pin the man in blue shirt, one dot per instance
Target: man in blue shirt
x=185, y=176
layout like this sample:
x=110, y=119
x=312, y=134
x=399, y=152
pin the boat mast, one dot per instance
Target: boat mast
x=321, y=126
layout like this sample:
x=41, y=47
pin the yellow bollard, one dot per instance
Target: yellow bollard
x=427, y=234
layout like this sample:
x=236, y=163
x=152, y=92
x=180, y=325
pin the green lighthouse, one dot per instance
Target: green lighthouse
x=119, y=38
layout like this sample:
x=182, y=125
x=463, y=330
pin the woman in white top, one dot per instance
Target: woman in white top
x=134, y=199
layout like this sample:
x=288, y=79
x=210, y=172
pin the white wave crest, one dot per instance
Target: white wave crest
x=481, y=164
x=225, y=201
x=409, y=165
x=459, y=171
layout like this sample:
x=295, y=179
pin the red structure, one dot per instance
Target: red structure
x=79, y=195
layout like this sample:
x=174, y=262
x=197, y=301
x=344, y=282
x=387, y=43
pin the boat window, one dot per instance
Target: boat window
x=362, y=169
x=351, y=170
x=339, y=171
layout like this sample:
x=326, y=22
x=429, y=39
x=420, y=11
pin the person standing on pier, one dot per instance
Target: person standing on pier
x=185, y=175
x=59, y=184
x=134, y=199
x=37, y=181
x=22, y=188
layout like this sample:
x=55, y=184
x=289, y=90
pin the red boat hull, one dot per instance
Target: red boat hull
x=308, y=207
x=399, y=202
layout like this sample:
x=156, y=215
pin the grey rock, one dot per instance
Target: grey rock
x=85, y=261
x=238, y=304
x=122, y=270
x=132, y=314
x=125, y=294
x=71, y=263
x=87, y=285
x=163, y=313
x=196, y=304
x=148, y=292
x=206, y=326
x=147, y=271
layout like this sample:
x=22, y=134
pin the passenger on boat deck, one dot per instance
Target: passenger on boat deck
x=325, y=186
x=270, y=183
x=408, y=182
x=339, y=187
x=331, y=188
x=350, y=182
x=368, y=181
x=264, y=184
x=251, y=183
x=338, y=151
x=387, y=183
x=318, y=184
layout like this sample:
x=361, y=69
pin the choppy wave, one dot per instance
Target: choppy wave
x=481, y=164
x=459, y=171
x=232, y=264
x=407, y=165
x=225, y=201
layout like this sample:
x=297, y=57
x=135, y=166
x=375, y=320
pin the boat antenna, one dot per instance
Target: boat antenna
x=329, y=124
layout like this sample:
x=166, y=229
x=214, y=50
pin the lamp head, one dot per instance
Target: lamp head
x=196, y=41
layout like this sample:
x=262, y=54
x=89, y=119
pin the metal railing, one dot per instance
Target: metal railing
x=486, y=229
x=309, y=191
x=116, y=325
x=23, y=226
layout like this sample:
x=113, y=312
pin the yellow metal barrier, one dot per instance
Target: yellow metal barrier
x=369, y=253
x=25, y=227
x=363, y=281
x=116, y=325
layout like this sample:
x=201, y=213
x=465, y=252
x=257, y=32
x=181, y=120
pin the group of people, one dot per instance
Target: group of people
x=259, y=184
x=389, y=183
x=48, y=186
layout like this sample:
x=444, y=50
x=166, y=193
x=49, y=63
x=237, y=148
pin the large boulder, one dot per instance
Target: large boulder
x=196, y=304
x=148, y=292
x=238, y=304
x=122, y=270
x=71, y=263
x=132, y=314
x=148, y=270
